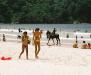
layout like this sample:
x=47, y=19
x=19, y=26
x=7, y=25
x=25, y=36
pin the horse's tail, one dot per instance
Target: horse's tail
x=58, y=36
x=59, y=39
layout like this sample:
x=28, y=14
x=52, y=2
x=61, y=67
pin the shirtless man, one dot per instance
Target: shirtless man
x=36, y=38
x=25, y=41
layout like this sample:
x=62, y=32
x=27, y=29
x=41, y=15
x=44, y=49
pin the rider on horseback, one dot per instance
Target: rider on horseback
x=53, y=35
x=54, y=31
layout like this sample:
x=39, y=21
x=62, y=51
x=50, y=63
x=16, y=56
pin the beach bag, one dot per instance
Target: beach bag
x=29, y=41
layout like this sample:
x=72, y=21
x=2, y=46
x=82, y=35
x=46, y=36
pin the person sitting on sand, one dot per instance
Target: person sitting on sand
x=84, y=45
x=25, y=40
x=36, y=38
x=75, y=45
x=89, y=46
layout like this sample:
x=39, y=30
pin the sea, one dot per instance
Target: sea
x=84, y=27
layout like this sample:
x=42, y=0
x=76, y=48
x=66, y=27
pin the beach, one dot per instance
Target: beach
x=53, y=60
x=45, y=37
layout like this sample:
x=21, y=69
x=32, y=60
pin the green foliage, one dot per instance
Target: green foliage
x=45, y=11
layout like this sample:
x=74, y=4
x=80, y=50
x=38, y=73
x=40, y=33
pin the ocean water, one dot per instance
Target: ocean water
x=60, y=27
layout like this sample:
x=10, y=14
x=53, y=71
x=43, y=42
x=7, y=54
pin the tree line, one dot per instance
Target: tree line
x=45, y=11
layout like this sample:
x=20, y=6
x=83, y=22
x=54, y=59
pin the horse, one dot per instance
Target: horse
x=52, y=36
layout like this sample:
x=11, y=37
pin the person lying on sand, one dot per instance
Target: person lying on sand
x=88, y=46
x=36, y=38
x=75, y=45
x=25, y=41
x=84, y=45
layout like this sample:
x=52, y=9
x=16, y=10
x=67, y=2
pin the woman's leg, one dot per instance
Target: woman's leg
x=27, y=52
x=22, y=51
x=35, y=50
x=38, y=49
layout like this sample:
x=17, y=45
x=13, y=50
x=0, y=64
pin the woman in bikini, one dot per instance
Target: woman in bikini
x=25, y=40
x=36, y=38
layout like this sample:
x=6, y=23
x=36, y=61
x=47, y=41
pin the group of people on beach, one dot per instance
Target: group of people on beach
x=83, y=46
x=36, y=39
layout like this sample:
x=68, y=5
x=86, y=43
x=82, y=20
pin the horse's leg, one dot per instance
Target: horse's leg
x=48, y=41
x=57, y=41
x=53, y=41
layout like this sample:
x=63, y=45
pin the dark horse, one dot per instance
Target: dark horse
x=53, y=36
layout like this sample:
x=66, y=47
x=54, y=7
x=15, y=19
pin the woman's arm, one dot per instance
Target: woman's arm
x=22, y=38
x=33, y=35
x=40, y=34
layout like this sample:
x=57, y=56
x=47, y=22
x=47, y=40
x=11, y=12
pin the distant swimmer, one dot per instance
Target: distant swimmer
x=67, y=36
x=4, y=38
x=36, y=38
x=25, y=42
x=19, y=30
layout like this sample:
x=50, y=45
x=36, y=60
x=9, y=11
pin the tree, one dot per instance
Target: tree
x=45, y=11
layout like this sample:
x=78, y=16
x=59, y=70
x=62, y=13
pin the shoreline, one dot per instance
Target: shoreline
x=12, y=34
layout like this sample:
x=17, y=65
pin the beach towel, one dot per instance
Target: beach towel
x=6, y=58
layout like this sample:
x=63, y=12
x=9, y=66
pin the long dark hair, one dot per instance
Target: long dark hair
x=37, y=29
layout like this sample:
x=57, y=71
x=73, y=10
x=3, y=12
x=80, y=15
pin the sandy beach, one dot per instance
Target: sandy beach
x=45, y=37
x=53, y=60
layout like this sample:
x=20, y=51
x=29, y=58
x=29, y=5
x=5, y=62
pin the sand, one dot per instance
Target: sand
x=53, y=60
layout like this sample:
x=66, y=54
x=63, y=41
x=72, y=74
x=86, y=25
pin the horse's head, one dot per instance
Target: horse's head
x=48, y=33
